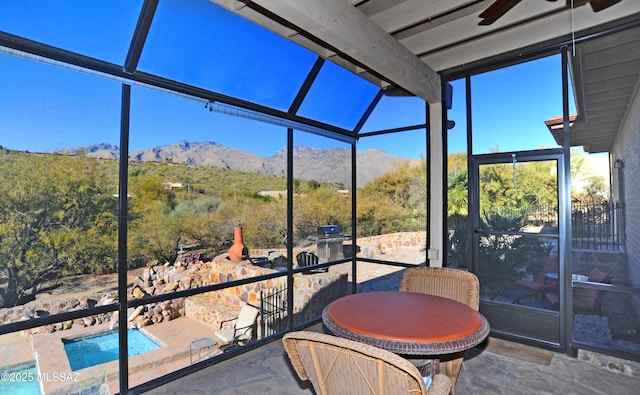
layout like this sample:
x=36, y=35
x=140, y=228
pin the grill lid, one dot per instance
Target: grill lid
x=329, y=230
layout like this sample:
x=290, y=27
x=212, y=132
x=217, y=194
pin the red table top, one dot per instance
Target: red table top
x=405, y=317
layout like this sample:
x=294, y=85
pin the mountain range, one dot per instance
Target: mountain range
x=324, y=165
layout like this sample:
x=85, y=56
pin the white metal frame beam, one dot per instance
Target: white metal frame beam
x=343, y=27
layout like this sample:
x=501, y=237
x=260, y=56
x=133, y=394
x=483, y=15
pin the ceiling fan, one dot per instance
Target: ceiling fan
x=500, y=7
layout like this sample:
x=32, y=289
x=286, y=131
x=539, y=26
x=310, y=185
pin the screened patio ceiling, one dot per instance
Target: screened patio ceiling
x=322, y=67
x=374, y=39
x=213, y=52
x=198, y=49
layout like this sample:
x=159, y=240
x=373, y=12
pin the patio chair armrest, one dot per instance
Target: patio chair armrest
x=225, y=321
x=240, y=330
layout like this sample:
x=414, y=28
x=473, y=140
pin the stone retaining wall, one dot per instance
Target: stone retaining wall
x=311, y=294
x=619, y=308
x=614, y=263
x=42, y=308
x=160, y=279
x=376, y=245
x=372, y=246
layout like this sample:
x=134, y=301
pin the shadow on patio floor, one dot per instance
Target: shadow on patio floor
x=495, y=367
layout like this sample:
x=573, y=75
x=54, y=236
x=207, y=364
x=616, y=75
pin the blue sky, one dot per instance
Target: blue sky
x=46, y=108
x=510, y=106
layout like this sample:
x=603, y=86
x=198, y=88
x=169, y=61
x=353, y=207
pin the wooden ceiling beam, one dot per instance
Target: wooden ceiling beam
x=343, y=27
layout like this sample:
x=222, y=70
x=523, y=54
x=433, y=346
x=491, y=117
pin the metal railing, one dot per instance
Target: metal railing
x=273, y=311
x=597, y=226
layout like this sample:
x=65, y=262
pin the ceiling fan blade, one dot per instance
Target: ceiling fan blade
x=496, y=10
x=599, y=5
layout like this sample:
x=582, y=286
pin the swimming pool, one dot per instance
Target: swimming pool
x=91, y=351
x=21, y=380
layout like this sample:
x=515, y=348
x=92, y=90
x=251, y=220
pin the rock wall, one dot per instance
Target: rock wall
x=619, y=308
x=376, y=245
x=614, y=263
x=43, y=308
x=311, y=294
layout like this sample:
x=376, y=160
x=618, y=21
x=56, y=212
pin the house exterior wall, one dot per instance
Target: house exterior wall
x=625, y=186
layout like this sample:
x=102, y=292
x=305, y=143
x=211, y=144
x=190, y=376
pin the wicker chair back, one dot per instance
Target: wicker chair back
x=335, y=365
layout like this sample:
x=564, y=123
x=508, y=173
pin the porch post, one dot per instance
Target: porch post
x=435, y=192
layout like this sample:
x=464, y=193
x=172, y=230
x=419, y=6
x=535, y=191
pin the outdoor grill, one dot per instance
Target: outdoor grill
x=329, y=240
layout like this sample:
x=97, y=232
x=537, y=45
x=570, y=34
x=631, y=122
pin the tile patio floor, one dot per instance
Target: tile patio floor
x=498, y=367
x=266, y=369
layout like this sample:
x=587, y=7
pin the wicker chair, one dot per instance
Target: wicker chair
x=459, y=285
x=335, y=365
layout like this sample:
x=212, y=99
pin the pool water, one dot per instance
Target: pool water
x=91, y=351
x=20, y=381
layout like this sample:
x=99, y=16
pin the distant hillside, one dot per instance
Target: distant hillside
x=102, y=150
x=325, y=165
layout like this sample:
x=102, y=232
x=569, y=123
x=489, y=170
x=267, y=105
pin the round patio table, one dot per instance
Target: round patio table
x=406, y=322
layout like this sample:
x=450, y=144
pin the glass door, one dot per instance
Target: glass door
x=516, y=243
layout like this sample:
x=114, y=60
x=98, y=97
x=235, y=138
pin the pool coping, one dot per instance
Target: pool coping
x=174, y=336
x=76, y=339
